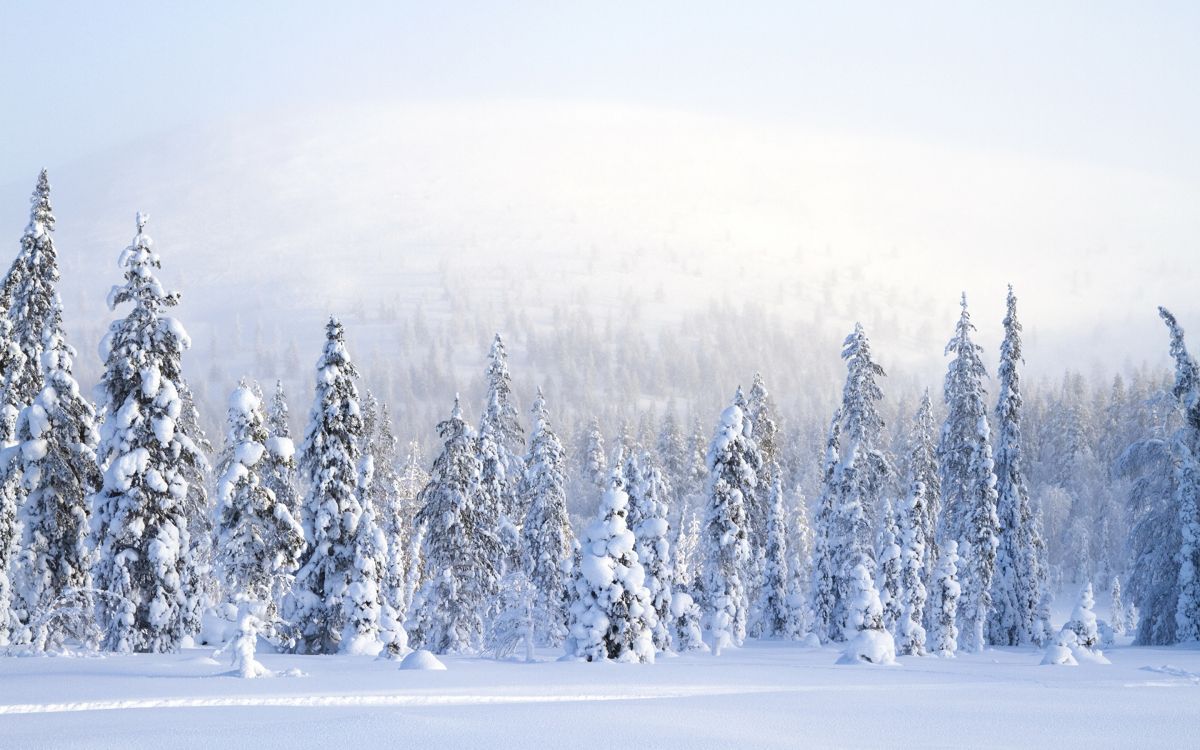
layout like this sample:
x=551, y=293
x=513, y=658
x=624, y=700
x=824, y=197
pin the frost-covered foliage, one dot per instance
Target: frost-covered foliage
x=501, y=447
x=370, y=620
x=867, y=639
x=56, y=460
x=1185, y=448
x=151, y=454
x=31, y=294
x=548, y=540
x=760, y=411
x=332, y=507
x=243, y=646
x=1116, y=608
x=923, y=468
x=826, y=598
x=685, y=552
x=725, y=547
x=385, y=495
x=969, y=480
x=1083, y=619
x=279, y=469
x=651, y=531
x=10, y=490
x=686, y=633
x=517, y=618
x=593, y=459
x=1015, y=587
x=890, y=588
x=910, y=519
x=1153, y=577
x=260, y=542
x=773, y=611
x=612, y=615
x=459, y=552
x=861, y=474
x=943, y=633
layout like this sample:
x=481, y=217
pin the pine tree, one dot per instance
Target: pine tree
x=333, y=507
x=10, y=490
x=593, y=464
x=57, y=464
x=910, y=633
x=943, y=637
x=773, y=611
x=826, y=598
x=868, y=639
x=141, y=514
x=501, y=446
x=891, y=591
x=369, y=619
x=923, y=468
x=653, y=546
x=459, y=552
x=1083, y=619
x=547, y=535
x=1014, y=594
x=861, y=473
x=279, y=470
x=260, y=542
x=1186, y=450
x=31, y=289
x=385, y=496
x=612, y=617
x=761, y=413
x=726, y=550
x=1117, y=608
x=969, y=480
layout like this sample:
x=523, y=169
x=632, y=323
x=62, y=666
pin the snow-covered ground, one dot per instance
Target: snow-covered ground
x=767, y=694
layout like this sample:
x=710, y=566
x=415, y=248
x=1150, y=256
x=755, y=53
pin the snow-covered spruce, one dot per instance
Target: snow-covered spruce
x=151, y=453
x=385, y=495
x=1083, y=618
x=518, y=616
x=653, y=547
x=1186, y=450
x=823, y=589
x=332, y=507
x=943, y=633
x=760, y=411
x=910, y=522
x=773, y=611
x=593, y=459
x=548, y=540
x=923, y=468
x=1015, y=587
x=370, y=620
x=725, y=550
x=867, y=638
x=279, y=469
x=969, y=480
x=891, y=591
x=459, y=553
x=31, y=294
x=612, y=616
x=56, y=460
x=1117, y=614
x=686, y=632
x=243, y=646
x=501, y=448
x=260, y=542
x=860, y=475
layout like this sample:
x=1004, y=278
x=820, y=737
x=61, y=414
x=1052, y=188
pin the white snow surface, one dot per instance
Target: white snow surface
x=767, y=694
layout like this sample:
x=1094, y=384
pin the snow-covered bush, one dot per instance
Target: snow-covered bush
x=867, y=639
x=1083, y=619
x=686, y=634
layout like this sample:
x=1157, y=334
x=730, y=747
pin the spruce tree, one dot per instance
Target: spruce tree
x=725, y=547
x=459, y=553
x=385, y=495
x=260, y=542
x=1014, y=593
x=10, y=490
x=943, y=635
x=910, y=633
x=593, y=461
x=1117, y=608
x=653, y=546
x=56, y=461
x=612, y=616
x=279, y=471
x=826, y=598
x=31, y=288
x=969, y=480
x=923, y=469
x=332, y=507
x=891, y=591
x=501, y=447
x=868, y=639
x=773, y=611
x=548, y=540
x=150, y=451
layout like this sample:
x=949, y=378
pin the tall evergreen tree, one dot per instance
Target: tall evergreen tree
x=890, y=586
x=141, y=514
x=653, y=546
x=910, y=634
x=501, y=426
x=279, y=472
x=1014, y=594
x=57, y=463
x=923, y=469
x=385, y=495
x=826, y=598
x=943, y=635
x=773, y=610
x=459, y=553
x=333, y=507
x=726, y=549
x=969, y=480
x=31, y=286
x=548, y=539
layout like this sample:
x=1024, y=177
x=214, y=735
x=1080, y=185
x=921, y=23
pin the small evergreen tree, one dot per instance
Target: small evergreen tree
x=1083, y=619
x=891, y=591
x=869, y=640
x=652, y=546
x=1117, y=608
x=279, y=470
x=943, y=638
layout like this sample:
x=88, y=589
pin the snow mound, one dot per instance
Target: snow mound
x=422, y=660
x=810, y=640
x=870, y=647
x=1068, y=651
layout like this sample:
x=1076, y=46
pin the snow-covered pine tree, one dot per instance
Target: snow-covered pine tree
x=260, y=542
x=826, y=598
x=501, y=451
x=943, y=634
x=725, y=548
x=861, y=474
x=773, y=611
x=969, y=480
x=1083, y=619
x=910, y=632
x=459, y=553
x=332, y=508
x=923, y=469
x=761, y=412
x=1185, y=447
x=868, y=639
x=33, y=304
x=548, y=540
x=141, y=515
x=891, y=591
x=612, y=616
x=653, y=546
x=369, y=619
x=593, y=459
x=279, y=470
x=10, y=490
x=1014, y=593
x=57, y=464
x=385, y=498
x=1117, y=608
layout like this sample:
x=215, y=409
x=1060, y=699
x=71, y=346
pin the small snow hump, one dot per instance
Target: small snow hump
x=422, y=660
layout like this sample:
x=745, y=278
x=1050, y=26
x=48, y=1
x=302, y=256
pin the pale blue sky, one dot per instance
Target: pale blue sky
x=1106, y=83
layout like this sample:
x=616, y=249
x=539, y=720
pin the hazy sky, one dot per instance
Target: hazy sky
x=1108, y=83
